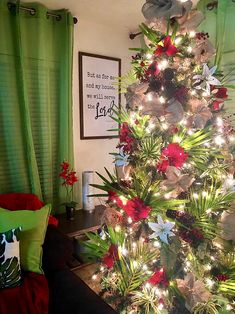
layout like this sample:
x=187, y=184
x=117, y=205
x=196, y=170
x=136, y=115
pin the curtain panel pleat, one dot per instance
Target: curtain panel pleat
x=35, y=100
x=220, y=24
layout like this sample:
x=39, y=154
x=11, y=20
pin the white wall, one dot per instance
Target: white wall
x=92, y=37
x=103, y=28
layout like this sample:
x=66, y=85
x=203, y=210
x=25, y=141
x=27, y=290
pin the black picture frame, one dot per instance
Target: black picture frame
x=95, y=101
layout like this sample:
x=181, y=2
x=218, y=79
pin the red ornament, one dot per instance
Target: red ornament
x=172, y=155
x=159, y=277
x=136, y=209
x=111, y=256
x=113, y=197
x=167, y=48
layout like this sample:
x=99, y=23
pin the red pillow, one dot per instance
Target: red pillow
x=20, y=201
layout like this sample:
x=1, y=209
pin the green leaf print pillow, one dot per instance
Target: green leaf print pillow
x=10, y=273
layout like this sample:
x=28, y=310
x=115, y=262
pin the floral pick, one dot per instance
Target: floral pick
x=206, y=79
x=161, y=229
x=167, y=48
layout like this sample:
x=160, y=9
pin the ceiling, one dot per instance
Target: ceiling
x=116, y=13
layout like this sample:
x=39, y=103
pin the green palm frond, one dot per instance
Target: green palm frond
x=116, y=237
x=228, y=262
x=120, y=115
x=126, y=80
x=205, y=308
x=159, y=204
x=140, y=130
x=129, y=268
x=146, y=299
x=150, y=148
x=205, y=202
x=227, y=287
x=142, y=186
x=108, y=184
x=208, y=226
x=210, y=200
x=97, y=246
x=216, y=169
x=151, y=34
x=189, y=142
x=194, y=145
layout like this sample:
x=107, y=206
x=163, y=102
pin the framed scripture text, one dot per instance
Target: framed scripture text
x=99, y=95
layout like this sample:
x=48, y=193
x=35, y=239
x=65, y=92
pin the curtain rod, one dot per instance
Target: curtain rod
x=32, y=11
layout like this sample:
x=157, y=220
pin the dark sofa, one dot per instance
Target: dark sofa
x=68, y=294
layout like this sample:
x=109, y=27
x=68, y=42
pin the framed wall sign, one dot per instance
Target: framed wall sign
x=98, y=95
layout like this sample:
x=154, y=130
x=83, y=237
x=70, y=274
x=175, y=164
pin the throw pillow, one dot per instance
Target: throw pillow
x=10, y=273
x=34, y=224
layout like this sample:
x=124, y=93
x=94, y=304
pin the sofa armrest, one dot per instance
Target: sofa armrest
x=57, y=250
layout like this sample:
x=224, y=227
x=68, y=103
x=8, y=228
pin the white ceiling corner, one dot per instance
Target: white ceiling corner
x=113, y=13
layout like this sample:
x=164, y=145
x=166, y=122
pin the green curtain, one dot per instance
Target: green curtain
x=35, y=99
x=220, y=24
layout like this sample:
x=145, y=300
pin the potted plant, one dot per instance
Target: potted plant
x=69, y=178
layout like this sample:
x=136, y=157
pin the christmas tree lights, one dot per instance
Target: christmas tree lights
x=167, y=240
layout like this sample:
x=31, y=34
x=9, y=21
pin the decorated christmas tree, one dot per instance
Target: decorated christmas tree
x=167, y=241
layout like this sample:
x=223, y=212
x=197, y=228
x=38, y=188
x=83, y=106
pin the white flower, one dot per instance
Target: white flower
x=122, y=159
x=161, y=229
x=206, y=79
x=228, y=184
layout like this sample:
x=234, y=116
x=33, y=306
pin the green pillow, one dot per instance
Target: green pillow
x=34, y=225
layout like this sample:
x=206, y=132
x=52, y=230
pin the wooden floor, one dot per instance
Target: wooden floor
x=86, y=273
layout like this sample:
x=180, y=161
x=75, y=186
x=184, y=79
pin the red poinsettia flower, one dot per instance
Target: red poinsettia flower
x=111, y=256
x=172, y=155
x=162, y=166
x=222, y=93
x=113, y=197
x=167, y=48
x=159, y=277
x=136, y=209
